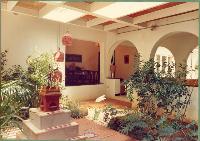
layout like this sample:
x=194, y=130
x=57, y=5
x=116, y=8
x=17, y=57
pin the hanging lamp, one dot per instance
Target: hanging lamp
x=59, y=56
x=67, y=39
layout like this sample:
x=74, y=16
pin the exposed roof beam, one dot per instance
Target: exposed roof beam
x=79, y=5
x=98, y=5
x=96, y=21
x=113, y=26
x=189, y=6
x=49, y=7
x=46, y=9
x=125, y=29
x=25, y=11
x=11, y=5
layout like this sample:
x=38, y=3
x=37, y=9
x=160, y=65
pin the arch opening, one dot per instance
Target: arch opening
x=162, y=56
x=122, y=60
x=180, y=44
x=192, y=64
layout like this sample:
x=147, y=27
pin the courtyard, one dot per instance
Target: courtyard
x=87, y=70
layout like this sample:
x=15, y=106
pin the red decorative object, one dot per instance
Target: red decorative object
x=67, y=40
x=49, y=99
x=192, y=82
x=57, y=76
x=59, y=56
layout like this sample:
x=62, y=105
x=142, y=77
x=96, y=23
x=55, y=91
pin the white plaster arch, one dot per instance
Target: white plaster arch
x=111, y=51
x=146, y=39
x=165, y=36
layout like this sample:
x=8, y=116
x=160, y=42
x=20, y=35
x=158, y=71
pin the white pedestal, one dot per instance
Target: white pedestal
x=55, y=125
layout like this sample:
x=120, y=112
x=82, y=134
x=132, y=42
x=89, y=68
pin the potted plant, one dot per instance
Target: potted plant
x=50, y=93
x=47, y=79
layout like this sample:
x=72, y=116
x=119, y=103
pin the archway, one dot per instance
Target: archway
x=192, y=64
x=179, y=43
x=122, y=62
x=123, y=55
x=162, y=56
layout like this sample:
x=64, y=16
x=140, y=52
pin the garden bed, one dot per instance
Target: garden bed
x=146, y=128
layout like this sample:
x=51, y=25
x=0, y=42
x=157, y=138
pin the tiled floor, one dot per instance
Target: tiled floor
x=115, y=103
x=101, y=132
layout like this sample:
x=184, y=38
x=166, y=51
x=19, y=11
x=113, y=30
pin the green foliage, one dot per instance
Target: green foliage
x=3, y=59
x=137, y=126
x=74, y=107
x=40, y=67
x=20, y=88
x=130, y=124
x=96, y=114
x=109, y=112
x=159, y=89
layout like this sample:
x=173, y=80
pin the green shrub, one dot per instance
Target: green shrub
x=20, y=88
x=74, y=107
x=159, y=89
x=130, y=124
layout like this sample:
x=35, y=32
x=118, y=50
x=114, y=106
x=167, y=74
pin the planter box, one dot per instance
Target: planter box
x=49, y=99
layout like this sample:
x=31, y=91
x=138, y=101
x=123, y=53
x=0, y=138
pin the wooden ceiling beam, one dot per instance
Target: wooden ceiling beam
x=113, y=26
x=95, y=22
x=188, y=6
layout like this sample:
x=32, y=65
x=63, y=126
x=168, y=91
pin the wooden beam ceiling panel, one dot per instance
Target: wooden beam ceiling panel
x=95, y=22
x=88, y=18
x=153, y=9
x=34, y=5
x=79, y=5
x=113, y=26
x=189, y=6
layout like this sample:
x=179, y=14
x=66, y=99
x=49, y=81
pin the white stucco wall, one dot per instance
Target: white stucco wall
x=24, y=35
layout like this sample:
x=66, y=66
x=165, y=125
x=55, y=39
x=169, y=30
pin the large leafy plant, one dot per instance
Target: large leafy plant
x=20, y=87
x=159, y=90
x=39, y=68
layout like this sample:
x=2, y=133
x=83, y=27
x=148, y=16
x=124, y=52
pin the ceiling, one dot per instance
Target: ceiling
x=103, y=16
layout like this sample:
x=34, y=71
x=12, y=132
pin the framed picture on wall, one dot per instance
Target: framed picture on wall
x=73, y=58
x=126, y=59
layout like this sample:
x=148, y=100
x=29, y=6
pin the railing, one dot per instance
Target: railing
x=81, y=77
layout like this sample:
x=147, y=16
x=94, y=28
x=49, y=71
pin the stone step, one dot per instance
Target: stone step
x=59, y=132
x=43, y=120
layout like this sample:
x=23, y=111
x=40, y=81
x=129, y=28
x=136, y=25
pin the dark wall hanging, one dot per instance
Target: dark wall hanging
x=126, y=59
x=73, y=58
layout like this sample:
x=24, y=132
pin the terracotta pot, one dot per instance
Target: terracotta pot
x=192, y=82
x=59, y=56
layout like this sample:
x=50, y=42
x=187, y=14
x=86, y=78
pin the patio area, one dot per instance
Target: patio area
x=89, y=128
x=90, y=70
